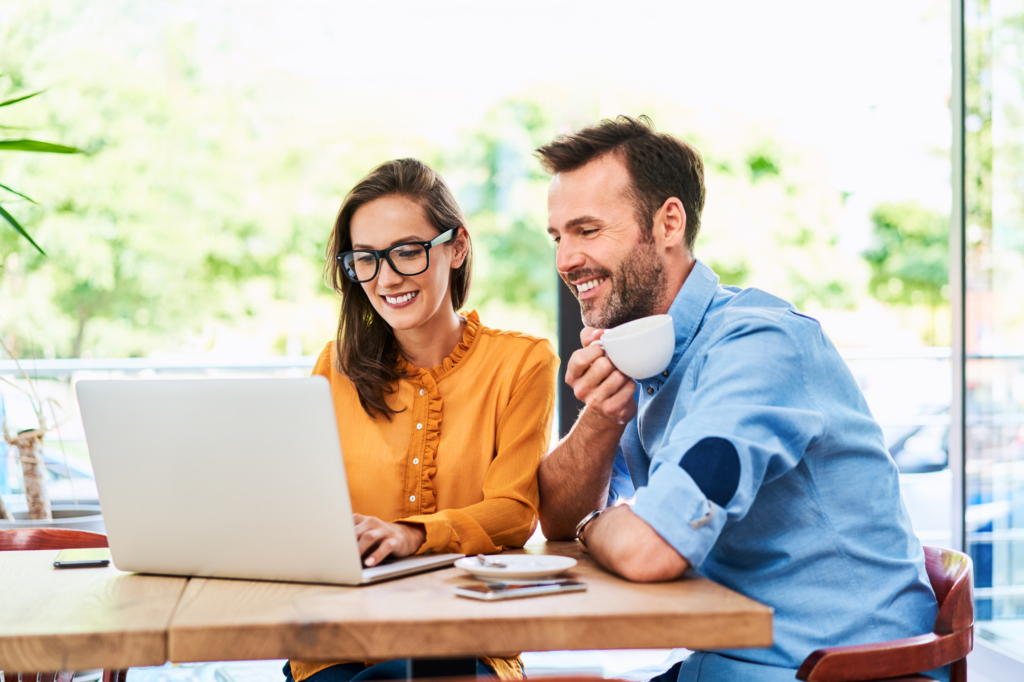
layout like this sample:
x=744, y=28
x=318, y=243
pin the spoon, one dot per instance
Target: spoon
x=482, y=558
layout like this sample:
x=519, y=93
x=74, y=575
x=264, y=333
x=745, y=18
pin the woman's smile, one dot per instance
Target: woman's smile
x=400, y=300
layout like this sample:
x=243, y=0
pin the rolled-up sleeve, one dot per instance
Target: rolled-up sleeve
x=748, y=421
x=621, y=485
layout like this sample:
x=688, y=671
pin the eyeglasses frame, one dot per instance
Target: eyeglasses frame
x=385, y=254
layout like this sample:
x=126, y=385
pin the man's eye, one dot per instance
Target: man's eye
x=587, y=233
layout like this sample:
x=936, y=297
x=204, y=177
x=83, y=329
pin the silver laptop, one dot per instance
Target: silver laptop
x=227, y=478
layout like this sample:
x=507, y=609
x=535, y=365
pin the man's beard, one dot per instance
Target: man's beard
x=637, y=289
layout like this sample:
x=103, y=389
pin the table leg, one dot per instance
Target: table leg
x=424, y=668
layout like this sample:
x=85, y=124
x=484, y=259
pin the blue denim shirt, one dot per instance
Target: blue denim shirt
x=756, y=457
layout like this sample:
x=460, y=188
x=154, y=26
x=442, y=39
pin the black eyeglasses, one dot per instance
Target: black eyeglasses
x=407, y=259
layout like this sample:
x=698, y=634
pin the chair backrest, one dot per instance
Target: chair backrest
x=49, y=538
x=950, y=574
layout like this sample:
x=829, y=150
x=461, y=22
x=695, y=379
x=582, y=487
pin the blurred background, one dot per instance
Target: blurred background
x=221, y=136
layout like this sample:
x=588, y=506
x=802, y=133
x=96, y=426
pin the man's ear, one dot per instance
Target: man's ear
x=670, y=223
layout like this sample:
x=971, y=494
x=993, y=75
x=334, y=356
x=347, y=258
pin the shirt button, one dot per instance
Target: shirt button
x=412, y=498
x=422, y=391
x=416, y=460
x=650, y=390
x=664, y=374
x=419, y=426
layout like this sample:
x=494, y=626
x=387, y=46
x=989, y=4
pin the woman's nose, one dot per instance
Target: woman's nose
x=387, y=276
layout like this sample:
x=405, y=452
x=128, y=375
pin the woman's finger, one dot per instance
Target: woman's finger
x=368, y=539
x=385, y=548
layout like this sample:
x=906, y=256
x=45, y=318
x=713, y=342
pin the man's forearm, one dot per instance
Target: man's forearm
x=574, y=477
x=625, y=544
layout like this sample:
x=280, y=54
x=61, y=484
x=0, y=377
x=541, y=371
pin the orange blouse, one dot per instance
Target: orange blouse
x=461, y=455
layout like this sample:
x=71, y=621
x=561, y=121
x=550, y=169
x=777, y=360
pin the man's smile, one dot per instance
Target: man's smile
x=587, y=286
x=588, y=289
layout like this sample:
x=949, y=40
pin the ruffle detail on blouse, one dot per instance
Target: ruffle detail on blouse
x=429, y=379
x=432, y=438
x=461, y=350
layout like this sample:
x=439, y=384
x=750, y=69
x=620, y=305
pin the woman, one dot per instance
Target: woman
x=443, y=421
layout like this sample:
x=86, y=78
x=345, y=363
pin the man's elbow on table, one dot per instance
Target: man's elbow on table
x=556, y=527
x=626, y=544
x=653, y=563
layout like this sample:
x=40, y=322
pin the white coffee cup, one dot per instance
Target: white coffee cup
x=641, y=348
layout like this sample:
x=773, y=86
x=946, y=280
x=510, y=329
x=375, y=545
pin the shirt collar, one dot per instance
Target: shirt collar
x=690, y=304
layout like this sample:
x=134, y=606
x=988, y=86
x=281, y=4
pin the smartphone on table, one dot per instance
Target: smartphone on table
x=514, y=590
x=83, y=558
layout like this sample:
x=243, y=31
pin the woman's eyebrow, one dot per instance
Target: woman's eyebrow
x=401, y=240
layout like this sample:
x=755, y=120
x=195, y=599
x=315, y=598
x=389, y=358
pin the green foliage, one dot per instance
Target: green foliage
x=205, y=215
x=735, y=273
x=762, y=164
x=24, y=145
x=910, y=256
x=503, y=191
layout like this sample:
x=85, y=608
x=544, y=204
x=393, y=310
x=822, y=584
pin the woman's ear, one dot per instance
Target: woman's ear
x=461, y=245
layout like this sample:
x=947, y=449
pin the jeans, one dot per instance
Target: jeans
x=359, y=672
x=708, y=667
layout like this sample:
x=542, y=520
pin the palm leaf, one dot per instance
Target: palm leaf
x=36, y=146
x=12, y=191
x=19, y=229
x=20, y=99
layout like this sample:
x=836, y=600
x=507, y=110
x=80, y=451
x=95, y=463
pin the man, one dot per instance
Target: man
x=753, y=458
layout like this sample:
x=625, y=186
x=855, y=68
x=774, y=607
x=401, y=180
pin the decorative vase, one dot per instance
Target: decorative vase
x=29, y=444
x=80, y=517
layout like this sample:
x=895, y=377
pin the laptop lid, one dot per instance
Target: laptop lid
x=233, y=478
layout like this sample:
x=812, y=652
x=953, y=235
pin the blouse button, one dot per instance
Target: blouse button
x=419, y=426
x=416, y=460
x=422, y=391
x=412, y=498
x=664, y=374
x=650, y=390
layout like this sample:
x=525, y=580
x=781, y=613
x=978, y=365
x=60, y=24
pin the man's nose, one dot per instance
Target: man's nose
x=568, y=258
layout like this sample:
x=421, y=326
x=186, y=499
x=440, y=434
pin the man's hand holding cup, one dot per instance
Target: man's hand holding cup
x=601, y=373
x=607, y=392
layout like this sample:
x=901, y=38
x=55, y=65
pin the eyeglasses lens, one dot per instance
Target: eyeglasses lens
x=408, y=259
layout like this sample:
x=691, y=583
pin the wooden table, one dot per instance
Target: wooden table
x=80, y=618
x=410, y=617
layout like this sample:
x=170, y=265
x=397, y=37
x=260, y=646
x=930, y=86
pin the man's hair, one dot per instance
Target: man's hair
x=660, y=165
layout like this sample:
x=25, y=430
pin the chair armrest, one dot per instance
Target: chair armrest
x=886, y=659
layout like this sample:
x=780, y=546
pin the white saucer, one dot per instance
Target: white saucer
x=517, y=566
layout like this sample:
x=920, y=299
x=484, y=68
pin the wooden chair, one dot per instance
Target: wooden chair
x=54, y=538
x=950, y=641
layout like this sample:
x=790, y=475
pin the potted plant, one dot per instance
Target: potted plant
x=29, y=442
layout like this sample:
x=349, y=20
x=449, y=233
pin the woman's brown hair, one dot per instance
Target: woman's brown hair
x=367, y=349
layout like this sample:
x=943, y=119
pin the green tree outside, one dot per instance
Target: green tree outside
x=910, y=257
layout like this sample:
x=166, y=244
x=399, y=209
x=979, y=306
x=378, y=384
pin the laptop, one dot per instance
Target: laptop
x=227, y=478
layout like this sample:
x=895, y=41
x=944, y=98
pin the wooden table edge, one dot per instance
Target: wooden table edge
x=271, y=641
